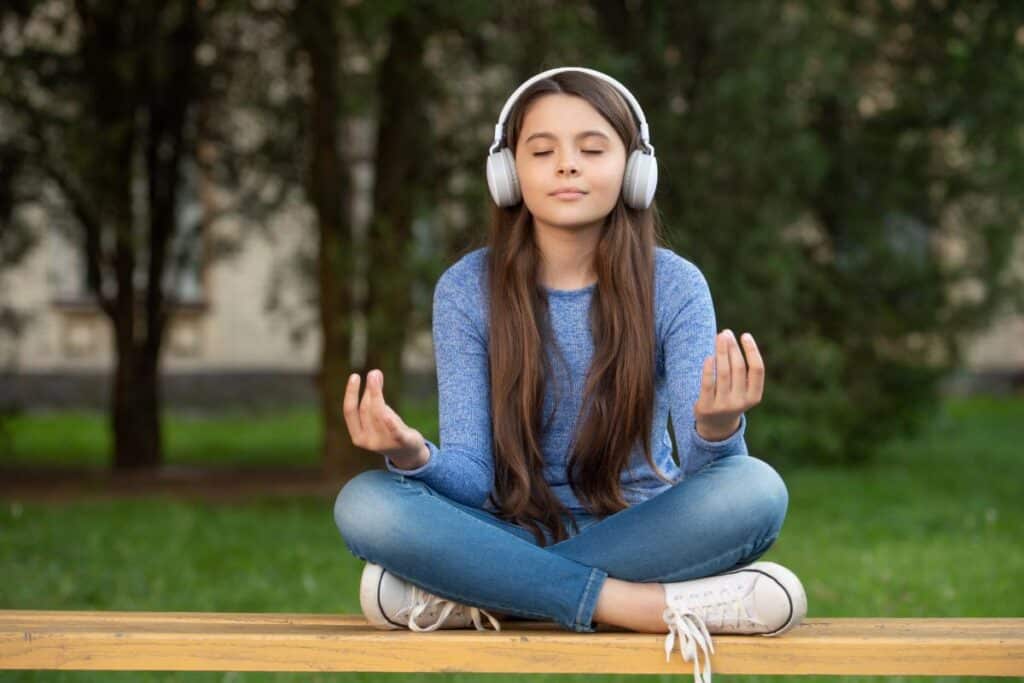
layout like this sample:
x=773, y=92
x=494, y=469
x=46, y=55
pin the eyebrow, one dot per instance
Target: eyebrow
x=584, y=134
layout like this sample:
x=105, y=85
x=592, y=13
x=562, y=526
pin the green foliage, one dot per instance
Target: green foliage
x=825, y=412
x=816, y=158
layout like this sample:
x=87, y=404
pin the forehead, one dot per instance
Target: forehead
x=563, y=116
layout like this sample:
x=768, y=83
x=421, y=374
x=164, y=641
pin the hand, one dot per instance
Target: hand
x=373, y=425
x=723, y=400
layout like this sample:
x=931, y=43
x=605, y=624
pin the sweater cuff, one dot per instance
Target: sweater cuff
x=734, y=442
x=426, y=467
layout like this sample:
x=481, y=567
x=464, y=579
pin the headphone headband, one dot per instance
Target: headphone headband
x=634, y=105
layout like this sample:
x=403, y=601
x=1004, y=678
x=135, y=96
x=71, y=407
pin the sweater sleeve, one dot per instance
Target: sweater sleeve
x=462, y=467
x=689, y=339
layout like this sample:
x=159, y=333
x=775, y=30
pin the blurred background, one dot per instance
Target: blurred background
x=212, y=212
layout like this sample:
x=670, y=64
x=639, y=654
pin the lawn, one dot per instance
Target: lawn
x=932, y=530
x=82, y=439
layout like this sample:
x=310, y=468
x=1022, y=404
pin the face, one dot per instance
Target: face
x=565, y=142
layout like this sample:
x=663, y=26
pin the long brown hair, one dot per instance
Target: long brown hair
x=619, y=389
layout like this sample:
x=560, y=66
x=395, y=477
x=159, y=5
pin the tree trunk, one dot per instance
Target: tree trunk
x=135, y=407
x=138, y=110
x=327, y=185
x=402, y=140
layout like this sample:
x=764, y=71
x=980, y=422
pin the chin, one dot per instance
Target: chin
x=572, y=224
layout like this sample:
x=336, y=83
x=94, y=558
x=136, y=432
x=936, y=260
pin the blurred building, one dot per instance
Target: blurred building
x=243, y=332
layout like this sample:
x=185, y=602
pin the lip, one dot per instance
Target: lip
x=568, y=193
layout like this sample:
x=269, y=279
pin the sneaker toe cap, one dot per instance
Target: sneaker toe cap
x=779, y=599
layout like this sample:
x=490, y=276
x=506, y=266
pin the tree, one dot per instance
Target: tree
x=814, y=158
x=104, y=96
x=316, y=27
x=16, y=241
x=402, y=91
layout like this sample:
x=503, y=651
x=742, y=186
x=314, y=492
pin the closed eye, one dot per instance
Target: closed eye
x=586, y=151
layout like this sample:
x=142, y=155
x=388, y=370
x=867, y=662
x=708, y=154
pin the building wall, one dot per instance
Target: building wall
x=225, y=328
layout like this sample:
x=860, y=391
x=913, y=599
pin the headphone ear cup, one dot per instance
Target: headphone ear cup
x=501, y=178
x=640, y=180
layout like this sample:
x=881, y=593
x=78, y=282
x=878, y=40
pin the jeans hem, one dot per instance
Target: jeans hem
x=588, y=603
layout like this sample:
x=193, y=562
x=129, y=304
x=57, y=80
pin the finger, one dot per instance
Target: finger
x=350, y=408
x=378, y=407
x=706, y=398
x=755, y=387
x=738, y=367
x=723, y=370
x=366, y=404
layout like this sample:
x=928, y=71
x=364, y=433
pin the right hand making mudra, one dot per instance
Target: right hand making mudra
x=730, y=386
x=373, y=425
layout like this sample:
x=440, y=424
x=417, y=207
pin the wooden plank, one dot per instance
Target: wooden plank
x=196, y=641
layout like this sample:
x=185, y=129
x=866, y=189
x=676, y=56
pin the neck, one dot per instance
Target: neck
x=567, y=255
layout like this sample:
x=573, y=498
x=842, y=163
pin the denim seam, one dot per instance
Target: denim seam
x=595, y=575
x=500, y=606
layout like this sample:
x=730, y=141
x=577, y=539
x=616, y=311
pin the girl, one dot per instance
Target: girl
x=562, y=346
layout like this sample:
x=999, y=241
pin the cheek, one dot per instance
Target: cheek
x=608, y=179
x=532, y=181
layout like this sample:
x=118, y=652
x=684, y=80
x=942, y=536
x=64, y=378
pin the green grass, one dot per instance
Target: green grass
x=83, y=438
x=932, y=530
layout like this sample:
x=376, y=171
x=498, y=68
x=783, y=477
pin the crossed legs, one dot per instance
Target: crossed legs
x=726, y=514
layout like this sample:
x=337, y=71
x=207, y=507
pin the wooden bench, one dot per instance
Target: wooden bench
x=197, y=641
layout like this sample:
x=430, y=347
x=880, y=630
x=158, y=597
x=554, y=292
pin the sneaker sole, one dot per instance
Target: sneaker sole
x=369, y=597
x=790, y=584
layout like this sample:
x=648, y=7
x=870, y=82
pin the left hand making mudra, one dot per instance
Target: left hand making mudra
x=737, y=388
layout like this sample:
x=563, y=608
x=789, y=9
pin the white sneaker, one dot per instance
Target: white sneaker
x=761, y=598
x=389, y=602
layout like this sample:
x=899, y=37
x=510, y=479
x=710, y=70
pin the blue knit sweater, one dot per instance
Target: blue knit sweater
x=462, y=467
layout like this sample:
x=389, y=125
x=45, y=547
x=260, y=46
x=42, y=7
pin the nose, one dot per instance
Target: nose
x=568, y=167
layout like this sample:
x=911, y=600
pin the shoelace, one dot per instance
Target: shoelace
x=423, y=601
x=689, y=625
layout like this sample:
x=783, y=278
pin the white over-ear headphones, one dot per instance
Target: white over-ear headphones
x=641, y=177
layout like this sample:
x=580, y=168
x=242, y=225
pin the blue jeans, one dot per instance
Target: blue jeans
x=725, y=515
